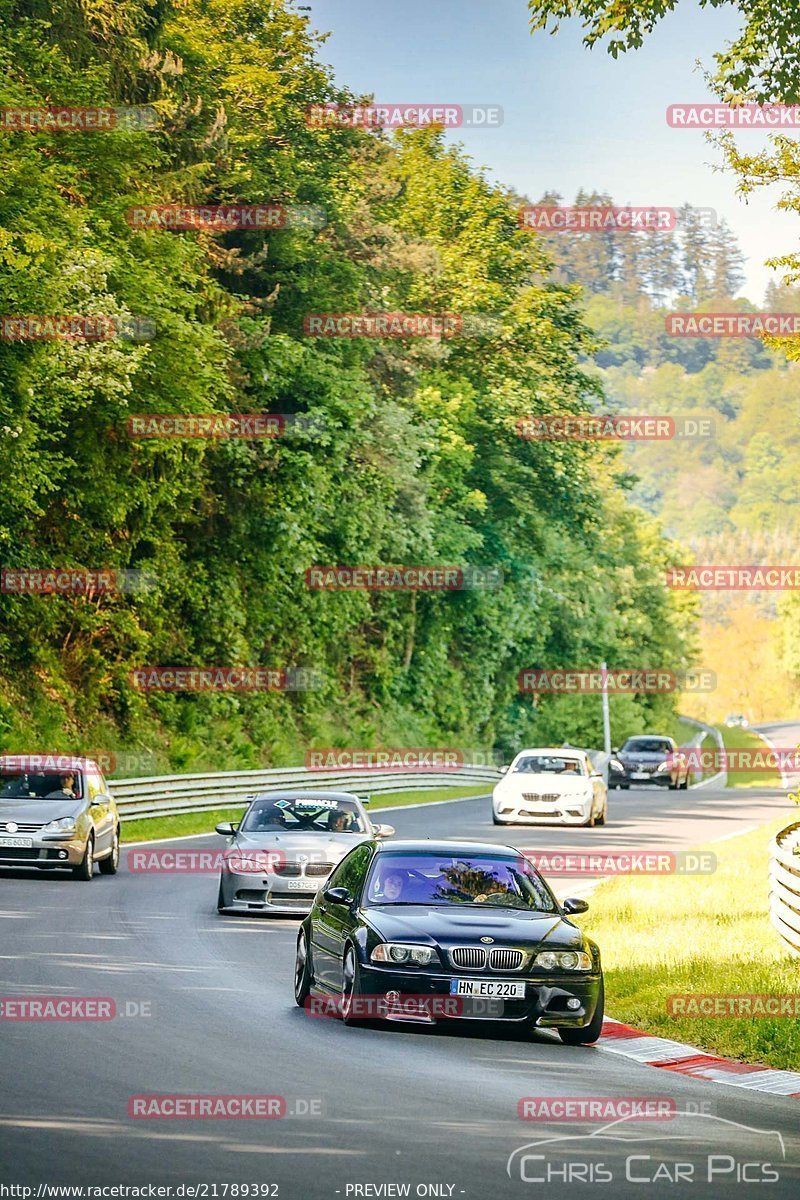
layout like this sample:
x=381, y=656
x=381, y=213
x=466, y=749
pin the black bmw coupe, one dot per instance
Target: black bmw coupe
x=427, y=931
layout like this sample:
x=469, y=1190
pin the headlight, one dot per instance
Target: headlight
x=616, y=764
x=664, y=766
x=563, y=960
x=64, y=825
x=400, y=953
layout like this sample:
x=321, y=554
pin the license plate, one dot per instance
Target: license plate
x=639, y=775
x=300, y=885
x=16, y=841
x=508, y=989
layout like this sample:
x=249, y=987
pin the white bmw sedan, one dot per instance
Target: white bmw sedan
x=551, y=787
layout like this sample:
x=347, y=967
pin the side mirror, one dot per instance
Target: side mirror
x=227, y=828
x=573, y=906
x=102, y=798
x=383, y=831
x=597, y=775
x=337, y=895
x=505, y=769
x=615, y=749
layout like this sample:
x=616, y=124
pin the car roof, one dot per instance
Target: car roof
x=46, y=762
x=555, y=751
x=437, y=846
x=305, y=794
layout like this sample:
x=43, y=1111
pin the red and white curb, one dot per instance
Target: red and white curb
x=688, y=1060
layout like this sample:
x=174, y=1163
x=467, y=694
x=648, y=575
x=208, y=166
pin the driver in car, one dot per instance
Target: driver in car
x=340, y=821
x=270, y=818
x=66, y=791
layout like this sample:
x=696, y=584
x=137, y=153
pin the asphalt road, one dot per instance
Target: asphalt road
x=371, y=1107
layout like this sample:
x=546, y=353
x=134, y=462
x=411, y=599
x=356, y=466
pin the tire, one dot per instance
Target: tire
x=85, y=868
x=110, y=865
x=591, y=1032
x=626, y=787
x=685, y=785
x=673, y=787
x=601, y=820
x=303, y=971
x=221, y=899
x=351, y=989
x=496, y=821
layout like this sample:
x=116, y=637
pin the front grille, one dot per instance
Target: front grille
x=251, y=894
x=541, y=798
x=506, y=960
x=323, y=868
x=18, y=853
x=23, y=827
x=292, y=901
x=470, y=958
x=290, y=870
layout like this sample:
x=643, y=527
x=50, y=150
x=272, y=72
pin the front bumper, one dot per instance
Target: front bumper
x=661, y=778
x=267, y=893
x=568, y=811
x=544, y=1004
x=45, y=851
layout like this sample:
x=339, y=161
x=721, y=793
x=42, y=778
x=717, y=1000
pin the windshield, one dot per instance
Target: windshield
x=309, y=814
x=433, y=879
x=41, y=785
x=540, y=764
x=645, y=745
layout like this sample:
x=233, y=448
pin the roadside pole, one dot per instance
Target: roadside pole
x=606, y=721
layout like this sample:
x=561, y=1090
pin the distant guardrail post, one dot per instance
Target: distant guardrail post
x=784, y=886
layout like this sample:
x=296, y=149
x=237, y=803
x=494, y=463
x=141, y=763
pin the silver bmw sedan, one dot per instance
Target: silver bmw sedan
x=286, y=845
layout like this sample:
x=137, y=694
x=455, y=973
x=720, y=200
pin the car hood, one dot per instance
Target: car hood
x=316, y=847
x=450, y=926
x=543, y=781
x=644, y=756
x=44, y=810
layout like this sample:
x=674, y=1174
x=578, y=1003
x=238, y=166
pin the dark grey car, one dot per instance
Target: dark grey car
x=57, y=812
x=286, y=845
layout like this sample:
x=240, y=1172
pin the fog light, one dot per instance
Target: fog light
x=62, y=854
x=573, y=1002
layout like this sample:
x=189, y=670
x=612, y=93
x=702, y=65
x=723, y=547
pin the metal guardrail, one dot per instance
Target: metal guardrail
x=169, y=795
x=710, y=731
x=784, y=886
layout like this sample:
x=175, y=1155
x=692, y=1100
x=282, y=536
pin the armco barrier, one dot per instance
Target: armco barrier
x=784, y=886
x=168, y=795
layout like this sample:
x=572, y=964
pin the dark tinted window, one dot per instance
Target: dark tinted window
x=38, y=785
x=352, y=870
x=398, y=878
x=303, y=814
x=648, y=745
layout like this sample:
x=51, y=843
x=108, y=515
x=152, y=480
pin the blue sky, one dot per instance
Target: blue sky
x=572, y=117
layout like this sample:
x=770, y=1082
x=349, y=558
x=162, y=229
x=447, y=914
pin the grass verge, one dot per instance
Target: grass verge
x=673, y=935
x=744, y=739
x=151, y=828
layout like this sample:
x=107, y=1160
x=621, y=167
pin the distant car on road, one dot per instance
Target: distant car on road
x=550, y=786
x=734, y=719
x=651, y=758
x=424, y=931
x=57, y=812
x=286, y=845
